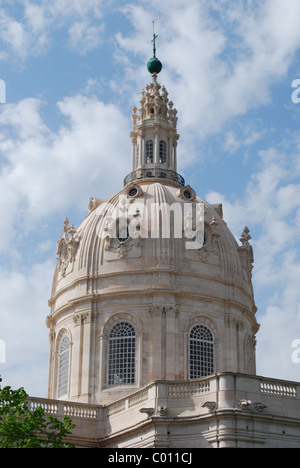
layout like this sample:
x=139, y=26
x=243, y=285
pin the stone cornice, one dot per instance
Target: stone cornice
x=147, y=272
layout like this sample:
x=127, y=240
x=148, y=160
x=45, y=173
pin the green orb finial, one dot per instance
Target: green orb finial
x=154, y=65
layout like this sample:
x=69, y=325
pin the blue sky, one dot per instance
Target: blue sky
x=73, y=72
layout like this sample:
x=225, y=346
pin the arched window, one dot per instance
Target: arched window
x=162, y=152
x=201, y=352
x=121, y=354
x=149, y=151
x=63, y=367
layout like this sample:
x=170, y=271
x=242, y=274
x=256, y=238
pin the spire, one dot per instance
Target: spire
x=154, y=66
x=153, y=40
x=154, y=134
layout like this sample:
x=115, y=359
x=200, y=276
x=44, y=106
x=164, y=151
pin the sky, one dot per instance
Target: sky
x=73, y=70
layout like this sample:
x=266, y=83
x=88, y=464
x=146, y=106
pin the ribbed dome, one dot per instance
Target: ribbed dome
x=154, y=243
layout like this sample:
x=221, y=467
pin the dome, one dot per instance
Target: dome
x=148, y=209
x=152, y=285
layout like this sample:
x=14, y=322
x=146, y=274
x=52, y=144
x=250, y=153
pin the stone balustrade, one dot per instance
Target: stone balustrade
x=228, y=392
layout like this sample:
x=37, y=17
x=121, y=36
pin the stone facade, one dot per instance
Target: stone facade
x=152, y=321
x=158, y=286
x=222, y=411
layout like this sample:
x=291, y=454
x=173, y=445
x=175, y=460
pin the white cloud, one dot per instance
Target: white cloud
x=13, y=34
x=23, y=313
x=220, y=59
x=271, y=207
x=45, y=172
x=215, y=67
x=43, y=168
x=33, y=31
x=234, y=143
x=85, y=37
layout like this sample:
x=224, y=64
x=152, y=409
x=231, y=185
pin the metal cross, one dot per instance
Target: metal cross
x=153, y=40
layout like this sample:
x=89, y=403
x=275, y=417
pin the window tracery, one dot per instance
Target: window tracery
x=162, y=152
x=63, y=367
x=201, y=352
x=121, y=355
x=149, y=152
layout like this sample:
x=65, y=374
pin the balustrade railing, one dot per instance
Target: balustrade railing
x=154, y=173
x=165, y=390
x=283, y=389
x=62, y=408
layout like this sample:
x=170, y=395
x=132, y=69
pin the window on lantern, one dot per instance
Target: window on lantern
x=201, y=352
x=121, y=354
x=63, y=367
x=162, y=152
x=149, y=152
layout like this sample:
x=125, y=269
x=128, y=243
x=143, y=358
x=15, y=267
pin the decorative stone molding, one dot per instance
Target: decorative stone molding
x=245, y=252
x=218, y=208
x=52, y=335
x=122, y=249
x=83, y=317
x=244, y=404
x=186, y=193
x=157, y=311
x=122, y=316
x=162, y=410
x=131, y=240
x=211, y=247
x=210, y=405
x=206, y=321
x=260, y=407
x=149, y=411
x=94, y=203
x=234, y=322
x=155, y=105
x=133, y=191
x=67, y=247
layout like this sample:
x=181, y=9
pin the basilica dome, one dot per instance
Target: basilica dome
x=156, y=238
x=152, y=285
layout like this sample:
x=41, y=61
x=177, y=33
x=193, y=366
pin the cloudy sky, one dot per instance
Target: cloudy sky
x=73, y=70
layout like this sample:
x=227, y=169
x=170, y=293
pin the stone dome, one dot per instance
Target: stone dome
x=100, y=252
x=152, y=285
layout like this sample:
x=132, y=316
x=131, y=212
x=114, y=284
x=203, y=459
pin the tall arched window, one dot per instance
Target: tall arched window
x=149, y=151
x=121, y=354
x=63, y=367
x=162, y=152
x=201, y=352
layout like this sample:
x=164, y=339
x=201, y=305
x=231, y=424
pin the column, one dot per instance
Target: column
x=142, y=150
x=175, y=156
x=155, y=350
x=171, y=343
x=75, y=370
x=52, y=364
x=133, y=155
x=170, y=154
x=86, y=359
x=156, y=148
